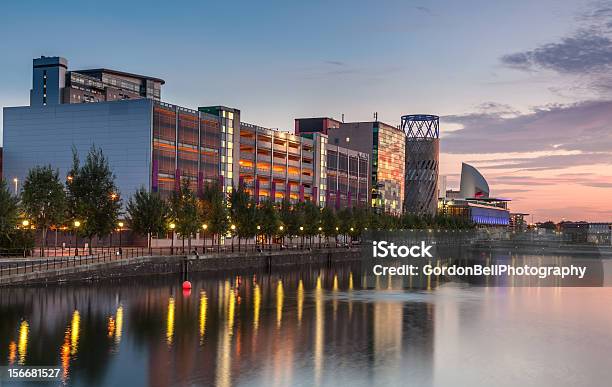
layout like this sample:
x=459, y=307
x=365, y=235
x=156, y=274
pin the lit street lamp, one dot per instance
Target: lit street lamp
x=204, y=227
x=233, y=228
x=120, y=224
x=16, y=182
x=172, y=226
x=77, y=224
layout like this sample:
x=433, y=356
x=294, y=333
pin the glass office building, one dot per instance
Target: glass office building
x=347, y=177
x=189, y=144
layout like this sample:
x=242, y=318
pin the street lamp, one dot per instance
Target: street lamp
x=172, y=226
x=302, y=235
x=16, y=182
x=204, y=227
x=281, y=228
x=233, y=228
x=77, y=224
x=120, y=224
x=320, y=229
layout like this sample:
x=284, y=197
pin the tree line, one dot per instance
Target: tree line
x=89, y=204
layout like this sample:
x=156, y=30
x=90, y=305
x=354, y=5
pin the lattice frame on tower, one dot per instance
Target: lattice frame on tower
x=422, y=163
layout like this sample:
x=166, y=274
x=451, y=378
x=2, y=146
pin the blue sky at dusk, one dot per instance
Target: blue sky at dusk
x=523, y=87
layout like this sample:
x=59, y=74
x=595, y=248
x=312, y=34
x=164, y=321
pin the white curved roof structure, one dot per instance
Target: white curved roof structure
x=473, y=184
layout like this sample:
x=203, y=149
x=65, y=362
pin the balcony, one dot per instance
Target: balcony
x=246, y=155
x=244, y=169
x=279, y=174
x=263, y=144
x=247, y=140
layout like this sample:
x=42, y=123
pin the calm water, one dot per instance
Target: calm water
x=316, y=326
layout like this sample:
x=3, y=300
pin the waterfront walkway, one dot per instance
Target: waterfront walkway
x=57, y=268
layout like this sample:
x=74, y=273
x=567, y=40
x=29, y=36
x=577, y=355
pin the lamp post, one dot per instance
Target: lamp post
x=282, y=235
x=302, y=235
x=120, y=224
x=204, y=228
x=320, y=229
x=16, y=182
x=257, y=235
x=172, y=226
x=336, y=236
x=232, y=228
x=77, y=224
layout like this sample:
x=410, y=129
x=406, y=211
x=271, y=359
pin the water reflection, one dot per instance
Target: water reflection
x=317, y=326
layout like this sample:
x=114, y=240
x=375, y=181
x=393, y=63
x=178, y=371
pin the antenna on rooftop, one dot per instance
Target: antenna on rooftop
x=375, y=116
x=342, y=117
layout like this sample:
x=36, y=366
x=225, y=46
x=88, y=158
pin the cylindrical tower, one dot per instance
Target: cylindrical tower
x=422, y=163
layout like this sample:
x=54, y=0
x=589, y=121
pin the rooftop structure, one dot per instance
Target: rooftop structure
x=53, y=83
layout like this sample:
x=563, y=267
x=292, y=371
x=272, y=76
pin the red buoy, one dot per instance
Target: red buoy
x=186, y=285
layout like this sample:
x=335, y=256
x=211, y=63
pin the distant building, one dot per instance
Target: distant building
x=472, y=201
x=442, y=186
x=518, y=221
x=473, y=184
x=599, y=233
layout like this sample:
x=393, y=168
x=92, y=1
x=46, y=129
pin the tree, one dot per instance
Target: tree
x=345, y=222
x=268, y=219
x=148, y=214
x=312, y=218
x=43, y=200
x=329, y=223
x=93, y=197
x=184, y=212
x=243, y=213
x=213, y=210
x=9, y=215
x=291, y=219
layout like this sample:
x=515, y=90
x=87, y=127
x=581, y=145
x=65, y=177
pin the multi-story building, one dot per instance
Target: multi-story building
x=385, y=146
x=277, y=164
x=154, y=144
x=52, y=84
x=347, y=177
x=472, y=201
x=280, y=165
x=599, y=233
x=148, y=143
x=193, y=144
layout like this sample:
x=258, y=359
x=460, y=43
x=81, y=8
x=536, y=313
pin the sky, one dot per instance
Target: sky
x=523, y=88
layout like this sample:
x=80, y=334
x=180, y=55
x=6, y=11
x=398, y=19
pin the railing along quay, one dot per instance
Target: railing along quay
x=20, y=265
